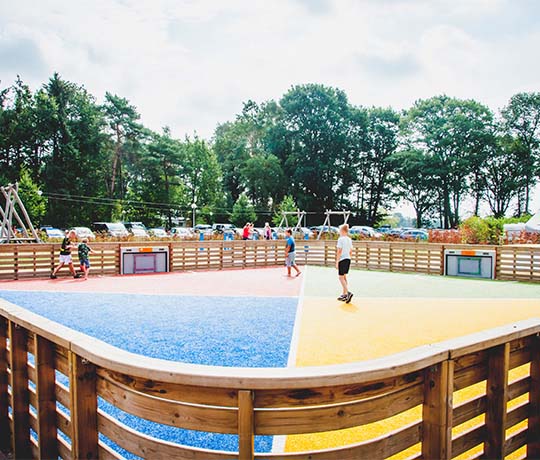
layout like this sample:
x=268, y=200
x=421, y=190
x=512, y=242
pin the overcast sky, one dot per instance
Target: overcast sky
x=189, y=64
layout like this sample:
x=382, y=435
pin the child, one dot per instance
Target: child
x=290, y=253
x=84, y=251
x=343, y=261
x=65, y=255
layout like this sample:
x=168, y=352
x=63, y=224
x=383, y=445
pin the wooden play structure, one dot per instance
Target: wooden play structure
x=300, y=219
x=249, y=402
x=14, y=214
x=327, y=224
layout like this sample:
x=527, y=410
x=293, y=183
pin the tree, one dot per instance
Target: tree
x=264, y=179
x=124, y=131
x=289, y=205
x=375, y=137
x=200, y=173
x=415, y=178
x=243, y=211
x=316, y=119
x=229, y=144
x=75, y=160
x=454, y=132
x=502, y=174
x=156, y=190
x=522, y=118
x=32, y=198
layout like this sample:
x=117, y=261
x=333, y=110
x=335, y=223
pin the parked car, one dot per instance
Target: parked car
x=415, y=234
x=114, y=229
x=53, y=232
x=84, y=232
x=158, y=232
x=203, y=228
x=137, y=229
x=364, y=230
x=398, y=231
x=182, y=233
x=223, y=228
x=324, y=229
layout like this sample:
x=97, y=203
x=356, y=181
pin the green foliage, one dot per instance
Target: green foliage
x=454, y=133
x=34, y=202
x=243, y=211
x=289, y=205
x=97, y=162
x=522, y=119
x=489, y=230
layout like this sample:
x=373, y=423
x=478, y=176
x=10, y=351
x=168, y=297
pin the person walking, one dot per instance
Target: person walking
x=343, y=261
x=267, y=231
x=65, y=255
x=290, y=253
x=246, y=231
x=84, y=252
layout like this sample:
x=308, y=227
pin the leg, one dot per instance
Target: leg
x=72, y=269
x=344, y=284
x=298, y=272
x=59, y=266
x=86, y=271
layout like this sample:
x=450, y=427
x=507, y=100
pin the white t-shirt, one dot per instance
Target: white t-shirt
x=345, y=243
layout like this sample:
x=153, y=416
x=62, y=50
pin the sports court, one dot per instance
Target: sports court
x=260, y=318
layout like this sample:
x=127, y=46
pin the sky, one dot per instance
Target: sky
x=190, y=64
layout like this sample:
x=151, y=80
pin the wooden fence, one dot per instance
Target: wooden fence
x=516, y=262
x=502, y=418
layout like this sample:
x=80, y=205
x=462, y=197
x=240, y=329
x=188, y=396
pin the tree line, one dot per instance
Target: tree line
x=313, y=149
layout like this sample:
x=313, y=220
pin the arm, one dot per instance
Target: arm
x=338, y=255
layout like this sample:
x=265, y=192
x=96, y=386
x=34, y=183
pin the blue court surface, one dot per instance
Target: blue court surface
x=223, y=331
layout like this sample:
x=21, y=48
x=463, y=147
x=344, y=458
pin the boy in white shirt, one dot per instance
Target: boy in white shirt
x=343, y=261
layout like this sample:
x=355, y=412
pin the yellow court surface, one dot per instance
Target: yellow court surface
x=393, y=312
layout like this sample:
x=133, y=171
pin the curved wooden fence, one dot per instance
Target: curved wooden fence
x=35, y=353
x=514, y=262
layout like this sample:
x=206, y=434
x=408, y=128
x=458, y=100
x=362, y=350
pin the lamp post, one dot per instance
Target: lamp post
x=194, y=208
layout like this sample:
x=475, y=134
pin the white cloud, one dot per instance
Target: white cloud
x=190, y=64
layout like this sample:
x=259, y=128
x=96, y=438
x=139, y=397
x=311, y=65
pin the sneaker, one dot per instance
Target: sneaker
x=349, y=297
x=53, y=276
x=77, y=276
x=342, y=298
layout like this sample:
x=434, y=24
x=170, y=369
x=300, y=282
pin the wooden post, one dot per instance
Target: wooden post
x=46, y=397
x=246, y=425
x=497, y=399
x=497, y=261
x=16, y=262
x=442, y=260
x=533, y=446
x=5, y=431
x=19, y=388
x=437, y=411
x=83, y=393
x=171, y=258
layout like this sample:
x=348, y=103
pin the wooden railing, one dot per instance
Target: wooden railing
x=518, y=262
x=502, y=417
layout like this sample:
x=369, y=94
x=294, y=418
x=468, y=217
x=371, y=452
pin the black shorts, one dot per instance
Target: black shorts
x=343, y=266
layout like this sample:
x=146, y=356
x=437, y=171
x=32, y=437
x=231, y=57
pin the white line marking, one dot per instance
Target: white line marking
x=278, y=443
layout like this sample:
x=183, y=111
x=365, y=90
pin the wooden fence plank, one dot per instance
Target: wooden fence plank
x=533, y=447
x=44, y=352
x=21, y=447
x=246, y=425
x=437, y=412
x=496, y=401
x=5, y=430
x=83, y=392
